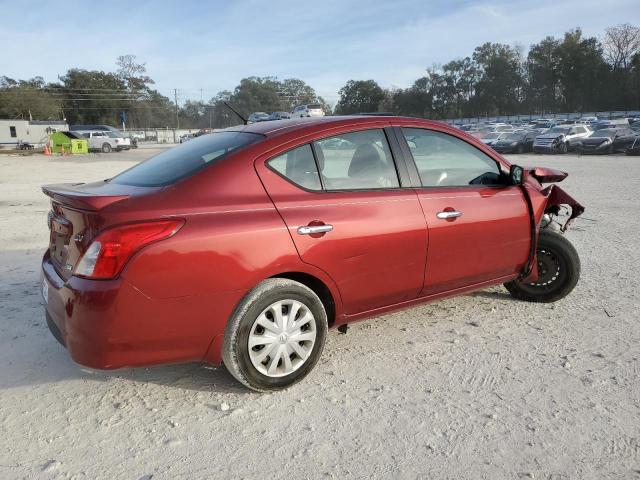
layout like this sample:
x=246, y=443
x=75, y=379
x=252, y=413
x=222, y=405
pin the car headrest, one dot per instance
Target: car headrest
x=366, y=158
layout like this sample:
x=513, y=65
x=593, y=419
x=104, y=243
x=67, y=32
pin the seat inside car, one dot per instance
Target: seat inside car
x=369, y=169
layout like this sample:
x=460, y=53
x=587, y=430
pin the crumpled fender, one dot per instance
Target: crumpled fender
x=547, y=175
x=552, y=199
x=556, y=197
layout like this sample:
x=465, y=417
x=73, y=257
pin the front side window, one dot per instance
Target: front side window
x=298, y=166
x=12, y=132
x=356, y=161
x=446, y=161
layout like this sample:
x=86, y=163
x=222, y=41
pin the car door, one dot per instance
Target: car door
x=479, y=228
x=348, y=214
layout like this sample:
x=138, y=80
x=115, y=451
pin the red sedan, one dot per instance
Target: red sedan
x=244, y=246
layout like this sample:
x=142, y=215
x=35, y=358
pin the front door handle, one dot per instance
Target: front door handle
x=448, y=214
x=311, y=229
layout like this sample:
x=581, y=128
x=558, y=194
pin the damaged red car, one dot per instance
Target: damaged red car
x=244, y=246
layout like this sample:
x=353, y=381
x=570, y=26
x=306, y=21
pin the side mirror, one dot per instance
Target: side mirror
x=516, y=175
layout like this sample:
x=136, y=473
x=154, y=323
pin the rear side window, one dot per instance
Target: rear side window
x=446, y=161
x=356, y=161
x=184, y=160
x=299, y=166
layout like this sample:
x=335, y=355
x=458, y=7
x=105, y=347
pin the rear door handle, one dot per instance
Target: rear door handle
x=311, y=229
x=448, y=214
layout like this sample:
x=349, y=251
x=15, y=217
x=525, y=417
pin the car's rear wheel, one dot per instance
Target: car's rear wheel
x=275, y=336
x=520, y=149
x=106, y=148
x=558, y=271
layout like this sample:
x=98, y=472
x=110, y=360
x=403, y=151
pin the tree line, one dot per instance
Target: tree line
x=574, y=73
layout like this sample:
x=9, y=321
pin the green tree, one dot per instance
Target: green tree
x=500, y=81
x=542, y=68
x=28, y=99
x=92, y=96
x=582, y=73
x=360, y=96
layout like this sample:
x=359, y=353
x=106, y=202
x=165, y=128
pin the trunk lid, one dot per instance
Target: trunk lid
x=76, y=217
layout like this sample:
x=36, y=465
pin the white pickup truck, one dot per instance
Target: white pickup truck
x=106, y=140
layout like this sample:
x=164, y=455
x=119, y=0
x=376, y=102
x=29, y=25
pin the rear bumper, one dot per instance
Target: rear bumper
x=111, y=324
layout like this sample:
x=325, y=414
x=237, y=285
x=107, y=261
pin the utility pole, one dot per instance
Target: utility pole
x=175, y=97
x=200, y=95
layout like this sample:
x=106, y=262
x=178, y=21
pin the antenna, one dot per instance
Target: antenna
x=235, y=111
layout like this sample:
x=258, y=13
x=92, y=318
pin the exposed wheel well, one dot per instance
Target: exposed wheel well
x=319, y=289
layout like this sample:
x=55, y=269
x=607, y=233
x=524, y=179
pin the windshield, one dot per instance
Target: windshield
x=514, y=136
x=112, y=134
x=558, y=130
x=182, y=161
x=491, y=135
x=314, y=107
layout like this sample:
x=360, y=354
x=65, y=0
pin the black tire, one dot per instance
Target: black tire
x=106, y=148
x=563, y=148
x=559, y=271
x=520, y=149
x=235, y=348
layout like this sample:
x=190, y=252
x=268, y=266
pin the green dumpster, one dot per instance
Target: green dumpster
x=68, y=142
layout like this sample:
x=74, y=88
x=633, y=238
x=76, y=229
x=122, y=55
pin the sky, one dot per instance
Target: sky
x=202, y=47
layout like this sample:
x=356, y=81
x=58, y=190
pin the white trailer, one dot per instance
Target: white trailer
x=34, y=132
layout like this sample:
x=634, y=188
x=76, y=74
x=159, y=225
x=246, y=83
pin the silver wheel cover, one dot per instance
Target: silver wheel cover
x=282, y=338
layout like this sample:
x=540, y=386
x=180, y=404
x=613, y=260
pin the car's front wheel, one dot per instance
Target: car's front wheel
x=558, y=271
x=275, y=336
x=106, y=148
x=563, y=147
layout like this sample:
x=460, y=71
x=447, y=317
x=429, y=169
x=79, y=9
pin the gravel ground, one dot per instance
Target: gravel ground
x=480, y=386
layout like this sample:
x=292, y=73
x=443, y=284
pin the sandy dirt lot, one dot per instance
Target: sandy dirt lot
x=476, y=387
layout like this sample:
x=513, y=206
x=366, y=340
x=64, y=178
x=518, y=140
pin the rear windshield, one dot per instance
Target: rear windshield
x=184, y=160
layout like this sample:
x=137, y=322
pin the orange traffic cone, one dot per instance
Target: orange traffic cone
x=62, y=152
x=46, y=150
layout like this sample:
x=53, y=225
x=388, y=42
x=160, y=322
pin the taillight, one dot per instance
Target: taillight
x=109, y=252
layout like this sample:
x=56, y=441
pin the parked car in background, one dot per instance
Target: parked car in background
x=244, y=246
x=491, y=137
x=186, y=137
x=634, y=149
x=279, y=116
x=138, y=135
x=106, y=140
x=607, y=140
x=615, y=123
x=588, y=120
x=311, y=110
x=635, y=126
x=560, y=139
x=520, y=141
x=256, y=117
x=543, y=123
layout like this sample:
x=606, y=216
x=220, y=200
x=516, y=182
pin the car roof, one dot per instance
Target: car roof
x=281, y=127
